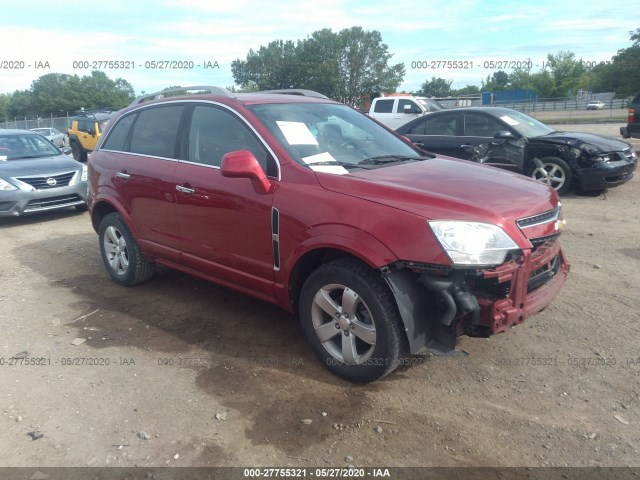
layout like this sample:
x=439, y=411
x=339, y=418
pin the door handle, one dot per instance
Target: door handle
x=418, y=144
x=186, y=190
x=122, y=175
x=466, y=145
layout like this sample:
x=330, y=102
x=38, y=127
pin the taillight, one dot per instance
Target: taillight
x=632, y=115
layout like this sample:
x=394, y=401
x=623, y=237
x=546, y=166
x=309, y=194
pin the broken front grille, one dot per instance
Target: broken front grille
x=44, y=182
x=544, y=274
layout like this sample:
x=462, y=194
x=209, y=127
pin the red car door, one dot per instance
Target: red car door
x=225, y=225
x=146, y=177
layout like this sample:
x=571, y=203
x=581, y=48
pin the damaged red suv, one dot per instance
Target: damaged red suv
x=301, y=201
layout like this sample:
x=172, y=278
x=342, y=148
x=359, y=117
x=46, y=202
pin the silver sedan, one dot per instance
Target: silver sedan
x=36, y=176
x=53, y=135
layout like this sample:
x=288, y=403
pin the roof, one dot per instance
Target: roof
x=16, y=131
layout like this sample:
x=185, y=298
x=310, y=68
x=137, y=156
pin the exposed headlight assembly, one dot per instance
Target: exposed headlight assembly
x=473, y=243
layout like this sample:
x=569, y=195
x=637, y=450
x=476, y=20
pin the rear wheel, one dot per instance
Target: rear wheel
x=121, y=253
x=554, y=172
x=77, y=152
x=350, y=319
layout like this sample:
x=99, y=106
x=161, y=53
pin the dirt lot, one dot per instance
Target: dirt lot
x=211, y=377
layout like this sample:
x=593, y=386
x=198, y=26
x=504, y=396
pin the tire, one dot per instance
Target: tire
x=77, y=152
x=121, y=253
x=361, y=340
x=554, y=172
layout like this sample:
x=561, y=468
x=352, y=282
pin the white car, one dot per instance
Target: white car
x=595, y=105
x=53, y=135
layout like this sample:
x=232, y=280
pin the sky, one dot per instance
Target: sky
x=61, y=36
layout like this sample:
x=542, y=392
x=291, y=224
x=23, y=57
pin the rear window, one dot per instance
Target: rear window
x=156, y=130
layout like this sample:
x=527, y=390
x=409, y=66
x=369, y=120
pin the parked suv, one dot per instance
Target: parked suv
x=85, y=130
x=633, y=122
x=306, y=203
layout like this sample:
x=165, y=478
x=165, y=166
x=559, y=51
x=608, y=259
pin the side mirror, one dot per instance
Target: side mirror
x=242, y=164
x=504, y=135
x=66, y=150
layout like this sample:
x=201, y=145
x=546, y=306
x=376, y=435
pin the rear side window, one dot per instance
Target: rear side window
x=118, y=136
x=383, y=106
x=156, y=130
x=436, y=125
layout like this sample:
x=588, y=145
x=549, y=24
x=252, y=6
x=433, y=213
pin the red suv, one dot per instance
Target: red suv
x=382, y=249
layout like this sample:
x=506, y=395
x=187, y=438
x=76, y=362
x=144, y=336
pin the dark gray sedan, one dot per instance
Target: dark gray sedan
x=36, y=176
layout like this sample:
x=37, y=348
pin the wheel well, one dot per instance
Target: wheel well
x=99, y=211
x=307, y=264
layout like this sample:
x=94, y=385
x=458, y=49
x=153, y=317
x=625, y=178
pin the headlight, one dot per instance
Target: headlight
x=83, y=177
x=471, y=243
x=6, y=186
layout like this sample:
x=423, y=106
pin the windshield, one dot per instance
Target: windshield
x=14, y=147
x=525, y=125
x=332, y=138
x=430, y=105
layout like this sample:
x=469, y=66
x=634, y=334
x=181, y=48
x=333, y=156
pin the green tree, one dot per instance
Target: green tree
x=4, y=106
x=349, y=66
x=567, y=72
x=21, y=104
x=621, y=74
x=496, y=82
x=363, y=66
x=271, y=67
x=436, y=87
x=466, y=90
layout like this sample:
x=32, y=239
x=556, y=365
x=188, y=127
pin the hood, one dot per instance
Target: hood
x=447, y=188
x=577, y=139
x=38, y=166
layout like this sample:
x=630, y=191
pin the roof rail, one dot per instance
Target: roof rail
x=94, y=111
x=198, y=90
x=296, y=91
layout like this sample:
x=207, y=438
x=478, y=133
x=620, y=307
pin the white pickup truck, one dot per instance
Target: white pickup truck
x=396, y=110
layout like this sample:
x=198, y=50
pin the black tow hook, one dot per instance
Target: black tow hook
x=457, y=301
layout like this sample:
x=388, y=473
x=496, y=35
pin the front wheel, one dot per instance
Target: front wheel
x=554, y=172
x=350, y=319
x=121, y=253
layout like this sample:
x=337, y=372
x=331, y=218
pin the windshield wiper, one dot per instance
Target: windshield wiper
x=382, y=159
x=335, y=162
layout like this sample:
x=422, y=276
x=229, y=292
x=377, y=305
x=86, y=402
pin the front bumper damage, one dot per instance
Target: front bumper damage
x=438, y=303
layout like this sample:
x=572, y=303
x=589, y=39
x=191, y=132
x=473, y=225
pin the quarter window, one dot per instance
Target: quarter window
x=156, y=130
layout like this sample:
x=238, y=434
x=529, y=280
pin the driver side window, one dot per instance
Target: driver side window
x=215, y=132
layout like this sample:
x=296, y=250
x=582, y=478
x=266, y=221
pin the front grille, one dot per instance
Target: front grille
x=536, y=242
x=543, y=274
x=44, y=182
x=550, y=216
x=53, y=202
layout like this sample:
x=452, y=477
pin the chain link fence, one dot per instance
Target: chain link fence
x=59, y=123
